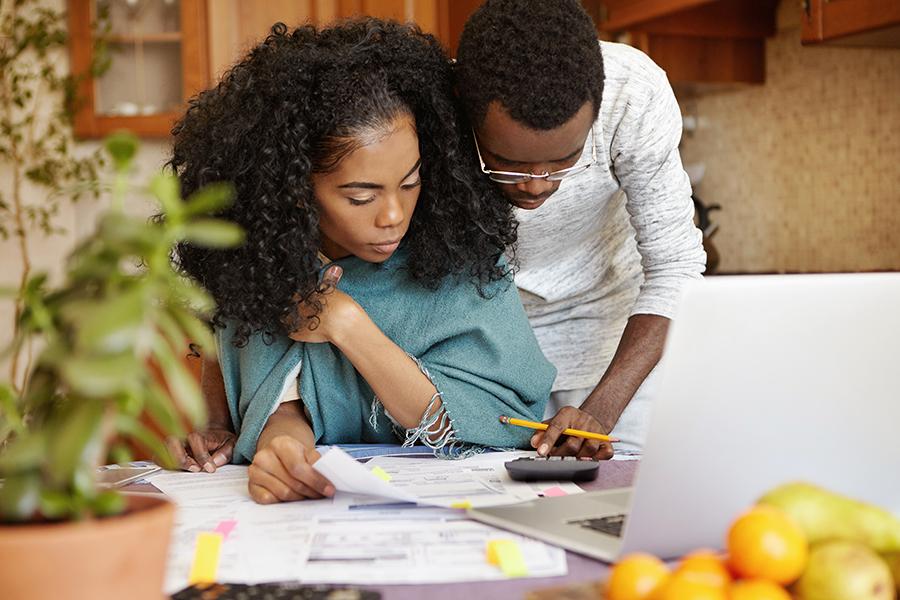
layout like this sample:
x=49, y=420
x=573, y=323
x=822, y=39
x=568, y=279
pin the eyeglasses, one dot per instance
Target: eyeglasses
x=514, y=177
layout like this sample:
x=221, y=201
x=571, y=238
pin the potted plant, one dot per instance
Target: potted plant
x=121, y=310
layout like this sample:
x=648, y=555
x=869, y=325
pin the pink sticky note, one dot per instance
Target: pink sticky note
x=551, y=492
x=225, y=527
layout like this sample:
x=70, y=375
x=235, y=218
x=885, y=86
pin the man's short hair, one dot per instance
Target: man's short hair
x=539, y=58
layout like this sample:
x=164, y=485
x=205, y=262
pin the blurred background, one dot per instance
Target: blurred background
x=791, y=111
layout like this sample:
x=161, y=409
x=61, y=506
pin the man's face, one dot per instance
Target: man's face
x=507, y=145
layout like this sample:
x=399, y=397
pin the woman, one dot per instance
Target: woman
x=370, y=302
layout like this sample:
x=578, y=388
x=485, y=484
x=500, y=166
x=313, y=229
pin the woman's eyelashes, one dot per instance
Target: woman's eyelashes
x=406, y=187
x=413, y=185
x=360, y=201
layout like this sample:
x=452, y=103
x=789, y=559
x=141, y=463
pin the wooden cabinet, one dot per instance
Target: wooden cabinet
x=160, y=58
x=696, y=41
x=236, y=25
x=851, y=22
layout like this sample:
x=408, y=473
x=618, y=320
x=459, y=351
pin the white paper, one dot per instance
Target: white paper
x=354, y=538
x=479, y=481
x=441, y=550
x=347, y=475
x=227, y=482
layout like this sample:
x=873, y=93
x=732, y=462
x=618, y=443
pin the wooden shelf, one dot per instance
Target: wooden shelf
x=168, y=37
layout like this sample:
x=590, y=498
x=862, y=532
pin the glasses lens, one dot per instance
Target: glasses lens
x=509, y=179
x=559, y=175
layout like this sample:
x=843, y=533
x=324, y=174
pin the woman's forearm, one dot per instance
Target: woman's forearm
x=395, y=378
x=288, y=420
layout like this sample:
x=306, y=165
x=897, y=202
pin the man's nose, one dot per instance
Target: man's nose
x=535, y=187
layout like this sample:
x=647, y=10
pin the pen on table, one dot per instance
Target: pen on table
x=590, y=435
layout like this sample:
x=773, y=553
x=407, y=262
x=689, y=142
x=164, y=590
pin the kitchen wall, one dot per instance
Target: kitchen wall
x=807, y=166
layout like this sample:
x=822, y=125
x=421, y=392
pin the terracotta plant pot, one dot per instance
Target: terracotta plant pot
x=98, y=559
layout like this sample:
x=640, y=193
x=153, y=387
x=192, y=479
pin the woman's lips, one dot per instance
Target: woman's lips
x=386, y=247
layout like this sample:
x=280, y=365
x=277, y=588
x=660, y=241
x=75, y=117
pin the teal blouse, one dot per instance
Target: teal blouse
x=479, y=352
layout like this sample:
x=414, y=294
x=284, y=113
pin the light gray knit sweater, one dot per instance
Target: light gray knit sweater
x=618, y=239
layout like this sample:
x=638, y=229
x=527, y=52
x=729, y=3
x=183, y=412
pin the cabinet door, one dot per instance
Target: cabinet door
x=159, y=60
x=863, y=22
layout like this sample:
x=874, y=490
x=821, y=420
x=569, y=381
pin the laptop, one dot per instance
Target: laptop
x=764, y=380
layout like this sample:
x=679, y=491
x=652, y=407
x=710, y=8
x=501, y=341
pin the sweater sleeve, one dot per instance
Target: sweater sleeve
x=646, y=161
x=486, y=364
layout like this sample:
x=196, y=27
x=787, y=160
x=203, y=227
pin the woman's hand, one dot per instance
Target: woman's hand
x=338, y=312
x=282, y=472
x=205, y=450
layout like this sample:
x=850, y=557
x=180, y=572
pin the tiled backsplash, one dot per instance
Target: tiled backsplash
x=807, y=166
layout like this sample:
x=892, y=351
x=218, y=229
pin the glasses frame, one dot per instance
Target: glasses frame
x=526, y=177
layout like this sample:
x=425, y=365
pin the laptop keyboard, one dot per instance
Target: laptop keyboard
x=611, y=525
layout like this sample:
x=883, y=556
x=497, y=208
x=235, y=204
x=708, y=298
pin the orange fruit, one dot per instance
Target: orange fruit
x=757, y=589
x=636, y=577
x=682, y=586
x=766, y=543
x=705, y=566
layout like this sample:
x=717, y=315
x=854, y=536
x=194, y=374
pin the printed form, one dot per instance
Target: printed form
x=405, y=534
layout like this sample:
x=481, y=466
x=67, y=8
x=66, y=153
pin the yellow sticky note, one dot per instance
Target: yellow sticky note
x=206, y=558
x=381, y=473
x=461, y=504
x=507, y=555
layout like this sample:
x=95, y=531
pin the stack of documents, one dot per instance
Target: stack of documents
x=393, y=520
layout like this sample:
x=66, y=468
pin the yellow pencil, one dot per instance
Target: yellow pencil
x=543, y=427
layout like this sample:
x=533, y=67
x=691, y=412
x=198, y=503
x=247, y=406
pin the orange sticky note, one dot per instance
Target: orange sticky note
x=206, y=558
x=507, y=555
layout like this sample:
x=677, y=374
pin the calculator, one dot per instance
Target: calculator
x=552, y=468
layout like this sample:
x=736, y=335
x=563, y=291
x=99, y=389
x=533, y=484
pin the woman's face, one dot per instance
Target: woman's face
x=366, y=204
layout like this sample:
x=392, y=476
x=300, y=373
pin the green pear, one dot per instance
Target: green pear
x=840, y=570
x=824, y=515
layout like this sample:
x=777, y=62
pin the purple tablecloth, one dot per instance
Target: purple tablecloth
x=613, y=474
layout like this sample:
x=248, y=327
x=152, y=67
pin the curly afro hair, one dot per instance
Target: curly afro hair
x=294, y=106
x=540, y=60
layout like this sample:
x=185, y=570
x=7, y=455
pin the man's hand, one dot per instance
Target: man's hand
x=206, y=450
x=571, y=417
x=282, y=472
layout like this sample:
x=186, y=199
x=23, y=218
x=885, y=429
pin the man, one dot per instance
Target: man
x=583, y=139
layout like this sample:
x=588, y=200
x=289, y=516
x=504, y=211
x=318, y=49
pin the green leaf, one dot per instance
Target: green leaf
x=122, y=146
x=76, y=443
x=211, y=199
x=108, y=503
x=185, y=291
x=147, y=439
x=111, y=326
x=161, y=407
x=25, y=453
x=182, y=386
x=166, y=189
x=195, y=329
x=10, y=419
x=20, y=497
x=99, y=376
x=55, y=504
x=120, y=454
x=213, y=233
